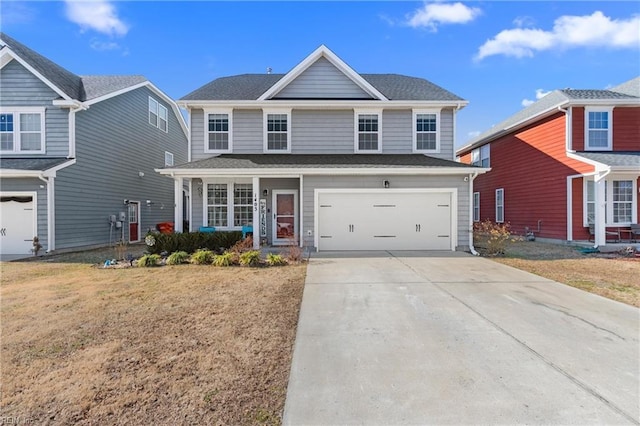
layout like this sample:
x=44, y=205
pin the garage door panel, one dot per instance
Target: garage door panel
x=384, y=221
x=16, y=225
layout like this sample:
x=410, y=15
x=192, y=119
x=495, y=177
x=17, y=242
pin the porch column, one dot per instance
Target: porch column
x=600, y=238
x=177, y=214
x=255, y=184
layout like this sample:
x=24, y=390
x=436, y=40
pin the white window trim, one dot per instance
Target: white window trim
x=159, y=107
x=500, y=190
x=478, y=153
x=168, y=154
x=609, y=201
x=230, y=205
x=417, y=112
x=16, y=111
x=356, y=114
x=609, y=146
x=229, y=112
x=265, y=113
x=476, y=207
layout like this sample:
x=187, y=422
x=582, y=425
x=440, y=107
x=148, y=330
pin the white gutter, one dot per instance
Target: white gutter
x=318, y=104
x=51, y=212
x=568, y=136
x=295, y=172
x=472, y=249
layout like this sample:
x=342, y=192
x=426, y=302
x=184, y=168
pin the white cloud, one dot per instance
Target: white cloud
x=97, y=15
x=596, y=30
x=104, y=45
x=433, y=14
x=474, y=134
x=540, y=93
x=16, y=13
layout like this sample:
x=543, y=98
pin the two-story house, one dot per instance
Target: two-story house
x=78, y=153
x=327, y=158
x=566, y=167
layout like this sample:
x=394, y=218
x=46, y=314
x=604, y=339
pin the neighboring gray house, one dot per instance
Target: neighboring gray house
x=327, y=158
x=78, y=153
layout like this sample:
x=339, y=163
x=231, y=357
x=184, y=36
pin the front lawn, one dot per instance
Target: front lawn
x=612, y=275
x=178, y=344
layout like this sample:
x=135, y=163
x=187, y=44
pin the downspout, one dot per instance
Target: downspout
x=51, y=212
x=472, y=249
x=567, y=129
x=72, y=128
x=599, y=196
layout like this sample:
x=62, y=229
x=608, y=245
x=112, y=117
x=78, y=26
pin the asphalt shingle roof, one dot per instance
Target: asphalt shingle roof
x=249, y=87
x=614, y=158
x=81, y=88
x=30, y=164
x=319, y=161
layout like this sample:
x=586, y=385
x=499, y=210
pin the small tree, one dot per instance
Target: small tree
x=493, y=237
x=36, y=246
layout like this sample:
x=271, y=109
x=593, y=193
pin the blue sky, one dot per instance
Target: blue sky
x=498, y=55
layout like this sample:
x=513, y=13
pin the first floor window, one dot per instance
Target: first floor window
x=229, y=204
x=476, y=207
x=242, y=204
x=500, y=205
x=622, y=194
x=618, y=199
x=217, y=207
x=22, y=131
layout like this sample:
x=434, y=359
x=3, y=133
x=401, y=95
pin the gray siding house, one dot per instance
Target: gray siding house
x=327, y=158
x=78, y=153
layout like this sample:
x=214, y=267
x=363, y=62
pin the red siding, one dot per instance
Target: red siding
x=579, y=231
x=626, y=130
x=531, y=165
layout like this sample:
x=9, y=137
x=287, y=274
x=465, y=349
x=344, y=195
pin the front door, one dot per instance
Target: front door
x=285, y=217
x=134, y=221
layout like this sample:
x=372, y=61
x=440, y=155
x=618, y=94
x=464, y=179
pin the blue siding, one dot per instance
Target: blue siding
x=20, y=88
x=114, y=142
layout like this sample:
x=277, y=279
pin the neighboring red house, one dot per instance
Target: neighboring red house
x=567, y=163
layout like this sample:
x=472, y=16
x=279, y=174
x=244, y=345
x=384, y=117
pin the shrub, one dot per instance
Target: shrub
x=242, y=246
x=493, y=237
x=225, y=259
x=250, y=258
x=149, y=260
x=202, y=257
x=191, y=241
x=275, y=259
x=293, y=251
x=178, y=258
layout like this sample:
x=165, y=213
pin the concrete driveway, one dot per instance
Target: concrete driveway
x=398, y=338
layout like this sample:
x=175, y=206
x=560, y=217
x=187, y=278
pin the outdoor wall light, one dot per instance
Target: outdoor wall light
x=141, y=174
x=265, y=192
x=385, y=183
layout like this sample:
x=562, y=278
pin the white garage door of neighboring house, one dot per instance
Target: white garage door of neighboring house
x=17, y=223
x=385, y=220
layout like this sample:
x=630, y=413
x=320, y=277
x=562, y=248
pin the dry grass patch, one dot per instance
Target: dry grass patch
x=607, y=274
x=178, y=344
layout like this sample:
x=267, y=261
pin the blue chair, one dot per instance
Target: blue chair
x=207, y=229
x=246, y=229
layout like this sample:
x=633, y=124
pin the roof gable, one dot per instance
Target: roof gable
x=330, y=57
x=322, y=80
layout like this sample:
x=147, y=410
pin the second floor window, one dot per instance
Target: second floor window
x=481, y=156
x=158, y=115
x=426, y=127
x=22, y=131
x=219, y=132
x=277, y=131
x=598, y=129
x=368, y=132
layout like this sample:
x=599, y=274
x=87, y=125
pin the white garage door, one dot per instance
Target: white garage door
x=16, y=224
x=385, y=220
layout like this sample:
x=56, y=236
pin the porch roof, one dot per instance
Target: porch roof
x=31, y=164
x=616, y=160
x=322, y=161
